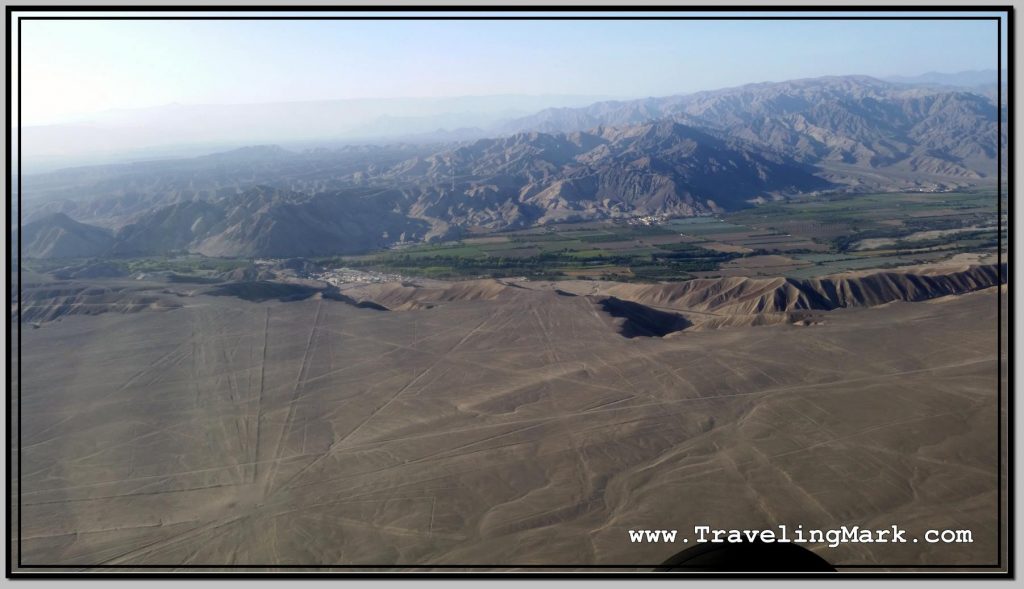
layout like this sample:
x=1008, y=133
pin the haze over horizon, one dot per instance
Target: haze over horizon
x=92, y=116
x=103, y=91
x=73, y=69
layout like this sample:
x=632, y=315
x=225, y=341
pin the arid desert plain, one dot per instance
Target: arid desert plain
x=503, y=423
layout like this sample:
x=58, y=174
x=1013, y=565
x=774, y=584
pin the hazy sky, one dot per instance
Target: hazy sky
x=77, y=67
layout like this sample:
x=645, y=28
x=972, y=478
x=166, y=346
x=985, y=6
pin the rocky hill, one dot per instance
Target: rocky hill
x=734, y=297
x=58, y=236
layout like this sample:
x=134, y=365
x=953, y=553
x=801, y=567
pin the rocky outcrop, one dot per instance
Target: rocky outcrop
x=752, y=296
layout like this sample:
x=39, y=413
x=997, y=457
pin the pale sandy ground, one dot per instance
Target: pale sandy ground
x=521, y=430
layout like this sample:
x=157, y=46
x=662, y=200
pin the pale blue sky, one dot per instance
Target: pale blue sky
x=77, y=67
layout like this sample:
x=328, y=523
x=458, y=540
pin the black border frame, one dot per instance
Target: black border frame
x=499, y=12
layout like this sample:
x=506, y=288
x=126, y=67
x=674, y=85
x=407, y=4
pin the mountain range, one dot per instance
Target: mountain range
x=678, y=155
x=853, y=120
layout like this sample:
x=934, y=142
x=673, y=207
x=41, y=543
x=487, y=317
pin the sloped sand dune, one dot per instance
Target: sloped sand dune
x=503, y=427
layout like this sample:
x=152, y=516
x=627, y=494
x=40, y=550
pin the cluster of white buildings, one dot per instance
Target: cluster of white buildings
x=340, y=276
x=647, y=220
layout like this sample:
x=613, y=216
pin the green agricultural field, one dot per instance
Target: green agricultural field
x=820, y=236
